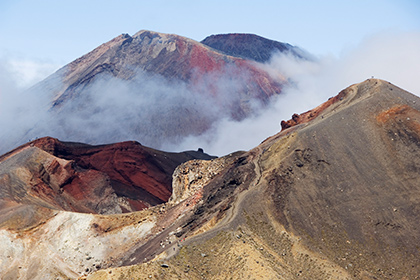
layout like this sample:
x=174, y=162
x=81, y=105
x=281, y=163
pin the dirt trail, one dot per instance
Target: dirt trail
x=232, y=217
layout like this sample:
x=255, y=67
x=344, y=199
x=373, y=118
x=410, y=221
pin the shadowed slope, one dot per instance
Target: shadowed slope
x=250, y=46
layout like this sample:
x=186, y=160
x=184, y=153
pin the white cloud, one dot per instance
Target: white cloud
x=28, y=72
x=19, y=111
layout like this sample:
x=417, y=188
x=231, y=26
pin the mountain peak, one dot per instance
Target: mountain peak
x=249, y=46
x=152, y=34
x=151, y=64
x=344, y=99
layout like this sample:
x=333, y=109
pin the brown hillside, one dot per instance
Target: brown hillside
x=334, y=197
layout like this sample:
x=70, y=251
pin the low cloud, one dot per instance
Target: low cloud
x=19, y=112
x=155, y=111
x=27, y=72
x=147, y=108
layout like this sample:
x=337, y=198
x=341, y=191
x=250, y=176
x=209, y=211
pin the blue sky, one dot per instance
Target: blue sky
x=58, y=32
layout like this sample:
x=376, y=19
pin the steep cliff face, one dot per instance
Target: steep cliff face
x=332, y=197
x=190, y=177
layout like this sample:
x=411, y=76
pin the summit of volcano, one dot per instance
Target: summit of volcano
x=158, y=89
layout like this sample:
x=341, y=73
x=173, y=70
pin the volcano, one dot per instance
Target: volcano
x=334, y=195
x=170, y=56
x=154, y=88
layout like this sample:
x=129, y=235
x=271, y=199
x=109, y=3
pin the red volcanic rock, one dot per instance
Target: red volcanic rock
x=312, y=114
x=128, y=164
x=401, y=121
x=121, y=177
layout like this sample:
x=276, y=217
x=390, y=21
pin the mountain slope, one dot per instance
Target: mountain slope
x=335, y=195
x=332, y=198
x=351, y=190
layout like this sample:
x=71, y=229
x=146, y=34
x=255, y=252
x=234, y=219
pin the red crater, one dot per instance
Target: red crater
x=121, y=177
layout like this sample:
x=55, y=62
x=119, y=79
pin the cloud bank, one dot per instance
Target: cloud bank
x=147, y=108
x=113, y=110
x=391, y=56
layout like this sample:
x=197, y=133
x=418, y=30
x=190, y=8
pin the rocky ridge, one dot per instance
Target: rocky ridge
x=321, y=200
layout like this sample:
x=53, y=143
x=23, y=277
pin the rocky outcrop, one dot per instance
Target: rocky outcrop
x=191, y=176
x=311, y=114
